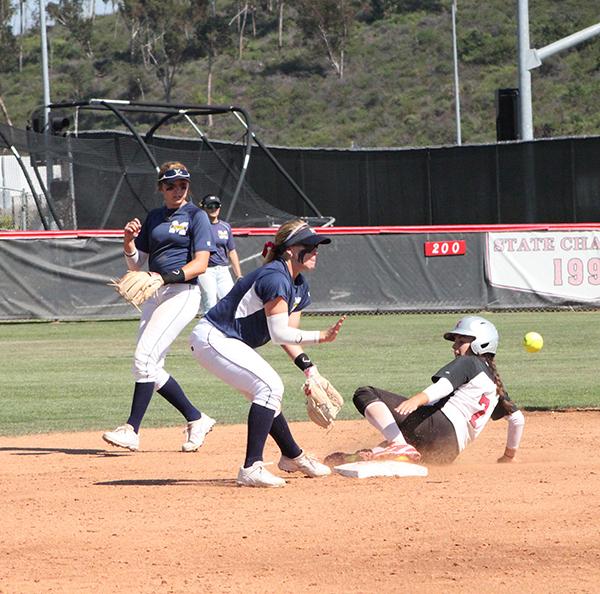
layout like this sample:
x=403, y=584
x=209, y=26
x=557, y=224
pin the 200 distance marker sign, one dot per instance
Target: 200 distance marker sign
x=457, y=247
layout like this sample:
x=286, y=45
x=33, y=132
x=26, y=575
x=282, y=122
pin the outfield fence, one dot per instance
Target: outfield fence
x=63, y=275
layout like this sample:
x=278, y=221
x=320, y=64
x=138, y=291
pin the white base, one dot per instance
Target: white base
x=369, y=469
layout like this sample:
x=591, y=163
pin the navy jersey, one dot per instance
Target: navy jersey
x=171, y=237
x=223, y=241
x=240, y=314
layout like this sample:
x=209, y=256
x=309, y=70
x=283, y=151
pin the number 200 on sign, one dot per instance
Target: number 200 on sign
x=445, y=248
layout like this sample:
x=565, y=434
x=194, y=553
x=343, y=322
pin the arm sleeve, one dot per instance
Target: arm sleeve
x=137, y=261
x=282, y=333
x=514, y=433
x=439, y=390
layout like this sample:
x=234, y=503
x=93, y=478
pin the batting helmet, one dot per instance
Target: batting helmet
x=484, y=333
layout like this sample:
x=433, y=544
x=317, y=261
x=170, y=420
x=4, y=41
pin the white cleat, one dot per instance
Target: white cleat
x=196, y=433
x=258, y=476
x=305, y=464
x=123, y=437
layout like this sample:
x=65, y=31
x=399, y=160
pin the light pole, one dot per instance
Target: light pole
x=45, y=78
x=456, y=86
x=532, y=58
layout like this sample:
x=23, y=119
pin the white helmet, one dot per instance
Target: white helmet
x=484, y=333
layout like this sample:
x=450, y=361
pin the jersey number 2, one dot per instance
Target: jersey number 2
x=485, y=402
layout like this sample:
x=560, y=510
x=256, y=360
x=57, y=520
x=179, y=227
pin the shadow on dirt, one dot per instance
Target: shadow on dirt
x=72, y=451
x=167, y=482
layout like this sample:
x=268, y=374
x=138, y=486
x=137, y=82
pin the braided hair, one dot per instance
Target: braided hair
x=504, y=401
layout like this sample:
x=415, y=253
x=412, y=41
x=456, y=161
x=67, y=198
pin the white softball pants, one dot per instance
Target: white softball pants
x=237, y=364
x=215, y=283
x=163, y=318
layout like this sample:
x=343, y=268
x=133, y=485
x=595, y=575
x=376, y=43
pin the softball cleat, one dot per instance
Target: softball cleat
x=304, y=463
x=258, y=476
x=401, y=452
x=196, y=433
x=123, y=437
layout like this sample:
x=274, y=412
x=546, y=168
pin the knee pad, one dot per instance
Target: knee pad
x=363, y=397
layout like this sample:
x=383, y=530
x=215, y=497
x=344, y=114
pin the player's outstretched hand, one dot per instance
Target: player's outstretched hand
x=331, y=333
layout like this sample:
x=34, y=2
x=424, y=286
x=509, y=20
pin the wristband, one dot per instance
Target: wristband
x=175, y=276
x=130, y=255
x=303, y=362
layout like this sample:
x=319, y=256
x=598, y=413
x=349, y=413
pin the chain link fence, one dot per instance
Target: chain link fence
x=18, y=210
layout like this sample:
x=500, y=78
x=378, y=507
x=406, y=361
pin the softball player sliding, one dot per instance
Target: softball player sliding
x=216, y=282
x=266, y=305
x=176, y=241
x=444, y=418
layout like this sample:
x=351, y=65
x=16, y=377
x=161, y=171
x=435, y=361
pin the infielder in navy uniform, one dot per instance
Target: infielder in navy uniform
x=266, y=305
x=176, y=242
x=216, y=282
x=445, y=417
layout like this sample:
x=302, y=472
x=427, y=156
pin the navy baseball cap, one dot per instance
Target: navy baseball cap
x=210, y=200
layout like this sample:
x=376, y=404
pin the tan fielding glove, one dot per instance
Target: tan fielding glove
x=136, y=286
x=323, y=401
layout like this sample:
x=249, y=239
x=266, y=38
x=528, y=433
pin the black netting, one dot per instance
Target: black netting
x=105, y=179
x=112, y=179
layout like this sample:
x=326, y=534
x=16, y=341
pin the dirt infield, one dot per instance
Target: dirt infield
x=78, y=517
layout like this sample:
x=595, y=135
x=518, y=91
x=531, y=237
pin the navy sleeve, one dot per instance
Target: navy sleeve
x=201, y=235
x=230, y=240
x=459, y=371
x=271, y=285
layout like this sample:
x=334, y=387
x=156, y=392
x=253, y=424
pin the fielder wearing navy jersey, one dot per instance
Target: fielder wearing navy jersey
x=171, y=237
x=216, y=282
x=241, y=314
x=266, y=305
x=439, y=422
x=176, y=242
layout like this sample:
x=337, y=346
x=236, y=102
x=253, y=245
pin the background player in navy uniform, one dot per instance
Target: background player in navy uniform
x=266, y=305
x=175, y=240
x=216, y=282
x=444, y=418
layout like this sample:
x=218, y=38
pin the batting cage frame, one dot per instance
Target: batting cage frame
x=42, y=141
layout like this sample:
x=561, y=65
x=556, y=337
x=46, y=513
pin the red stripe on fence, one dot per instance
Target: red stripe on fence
x=379, y=230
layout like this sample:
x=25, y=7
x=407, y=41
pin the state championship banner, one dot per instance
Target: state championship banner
x=562, y=264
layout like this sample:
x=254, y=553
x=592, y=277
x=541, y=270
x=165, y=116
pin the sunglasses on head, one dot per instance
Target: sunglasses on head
x=175, y=173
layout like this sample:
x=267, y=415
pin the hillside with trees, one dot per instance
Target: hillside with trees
x=337, y=73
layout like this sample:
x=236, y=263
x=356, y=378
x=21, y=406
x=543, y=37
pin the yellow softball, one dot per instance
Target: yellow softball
x=533, y=342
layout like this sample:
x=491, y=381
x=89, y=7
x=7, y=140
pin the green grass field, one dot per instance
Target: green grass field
x=76, y=376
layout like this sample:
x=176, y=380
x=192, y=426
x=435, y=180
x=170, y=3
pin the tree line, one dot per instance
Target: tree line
x=375, y=71
x=164, y=34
